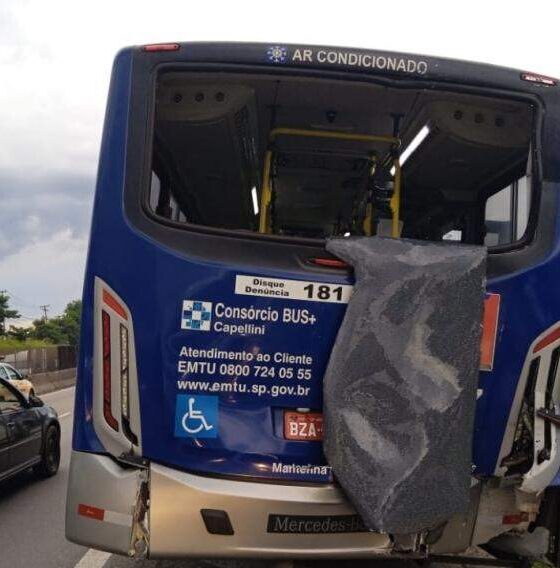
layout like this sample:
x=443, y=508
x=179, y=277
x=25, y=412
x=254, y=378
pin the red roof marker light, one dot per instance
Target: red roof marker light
x=162, y=47
x=541, y=79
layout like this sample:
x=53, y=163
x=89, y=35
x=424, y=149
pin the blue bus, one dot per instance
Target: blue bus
x=211, y=306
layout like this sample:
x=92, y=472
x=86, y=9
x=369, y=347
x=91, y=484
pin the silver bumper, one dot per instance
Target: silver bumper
x=177, y=528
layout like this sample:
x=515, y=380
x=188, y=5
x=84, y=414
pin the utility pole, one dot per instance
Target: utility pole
x=45, y=309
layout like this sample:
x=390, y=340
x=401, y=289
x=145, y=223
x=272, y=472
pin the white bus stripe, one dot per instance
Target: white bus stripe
x=117, y=518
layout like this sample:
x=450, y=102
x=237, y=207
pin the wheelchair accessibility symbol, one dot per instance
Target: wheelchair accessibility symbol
x=196, y=416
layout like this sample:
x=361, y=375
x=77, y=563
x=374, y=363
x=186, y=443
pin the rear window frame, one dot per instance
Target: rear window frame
x=528, y=239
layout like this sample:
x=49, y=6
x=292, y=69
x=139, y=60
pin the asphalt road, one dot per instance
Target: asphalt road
x=32, y=510
x=32, y=522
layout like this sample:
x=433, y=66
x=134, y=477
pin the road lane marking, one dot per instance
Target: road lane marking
x=64, y=415
x=93, y=559
x=47, y=394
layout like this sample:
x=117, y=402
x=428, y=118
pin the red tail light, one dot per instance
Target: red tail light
x=515, y=519
x=489, y=331
x=107, y=411
x=330, y=262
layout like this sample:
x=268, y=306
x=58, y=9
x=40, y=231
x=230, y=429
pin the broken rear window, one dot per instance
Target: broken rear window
x=309, y=157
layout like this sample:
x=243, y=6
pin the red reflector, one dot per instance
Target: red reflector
x=162, y=47
x=330, y=262
x=547, y=340
x=114, y=304
x=106, y=338
x=489, y=331
x=515, y=519
x=91, y=512
x=303, y=426
x=541, y=79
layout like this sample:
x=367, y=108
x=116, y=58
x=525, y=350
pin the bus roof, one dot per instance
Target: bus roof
x=372, y=62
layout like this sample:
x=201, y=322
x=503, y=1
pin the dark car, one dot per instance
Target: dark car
x=29, y=434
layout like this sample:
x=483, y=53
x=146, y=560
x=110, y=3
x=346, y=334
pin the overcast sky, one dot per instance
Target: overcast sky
x=55, y=60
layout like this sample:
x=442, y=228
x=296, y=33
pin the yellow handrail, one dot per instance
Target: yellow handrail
x=367, y=225
x=395, y=202
x=274, y=133
x=266, y=192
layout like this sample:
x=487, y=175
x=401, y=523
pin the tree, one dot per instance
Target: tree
x=71, y=319
x=63, y=329
x=19, y=333
x=49, y=331
x=6, y=312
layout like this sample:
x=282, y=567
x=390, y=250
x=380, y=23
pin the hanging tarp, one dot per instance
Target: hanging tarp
x=400, y=387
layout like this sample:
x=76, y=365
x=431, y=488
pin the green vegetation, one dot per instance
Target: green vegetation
x=63, y=329
x=59, y=330
x=6, y=312
x=10, y=345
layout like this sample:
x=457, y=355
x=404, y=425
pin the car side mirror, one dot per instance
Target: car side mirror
x=35, y=401
x=24, y=373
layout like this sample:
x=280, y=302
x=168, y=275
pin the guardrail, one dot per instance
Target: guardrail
x=42, y=359
x=52, y=381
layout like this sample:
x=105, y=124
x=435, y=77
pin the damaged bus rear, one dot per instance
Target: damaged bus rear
x=286, y=233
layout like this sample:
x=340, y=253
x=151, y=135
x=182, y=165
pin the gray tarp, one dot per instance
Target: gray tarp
x=400, y=387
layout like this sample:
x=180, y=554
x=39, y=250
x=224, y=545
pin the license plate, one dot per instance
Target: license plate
x=315, y=524
x=303, y=425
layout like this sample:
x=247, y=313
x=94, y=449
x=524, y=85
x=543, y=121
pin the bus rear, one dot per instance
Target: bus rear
x=211, y=305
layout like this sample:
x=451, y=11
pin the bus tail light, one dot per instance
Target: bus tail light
x=116, y=404
x=531, y=444
x=124, y=371
x=489, y=331
x=125, y=385
x=107, y=383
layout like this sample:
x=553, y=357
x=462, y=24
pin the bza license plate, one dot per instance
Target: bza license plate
x=303, y=425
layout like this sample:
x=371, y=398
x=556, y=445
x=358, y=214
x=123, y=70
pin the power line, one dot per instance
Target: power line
x=20, y=301
x=22, y=316
x=11, y=295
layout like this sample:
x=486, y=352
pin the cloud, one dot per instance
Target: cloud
x=36, y=207
x=49, y=271
x=55, y=64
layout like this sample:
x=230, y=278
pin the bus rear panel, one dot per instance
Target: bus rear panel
x=211, y=305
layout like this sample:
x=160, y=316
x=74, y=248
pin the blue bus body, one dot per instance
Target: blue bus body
x=152, y=279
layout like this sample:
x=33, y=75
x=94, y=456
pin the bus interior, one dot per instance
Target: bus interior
x=311, y=158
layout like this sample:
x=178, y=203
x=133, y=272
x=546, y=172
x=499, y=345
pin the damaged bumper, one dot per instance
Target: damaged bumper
x=159, y=512
x=107, y=504
x=254, y=510
x=104, y=511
